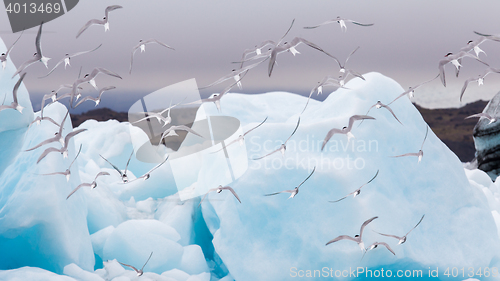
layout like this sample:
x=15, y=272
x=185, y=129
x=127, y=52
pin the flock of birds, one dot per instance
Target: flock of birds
x=265, y=51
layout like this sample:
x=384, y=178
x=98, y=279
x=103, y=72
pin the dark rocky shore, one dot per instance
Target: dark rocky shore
x=448, y=124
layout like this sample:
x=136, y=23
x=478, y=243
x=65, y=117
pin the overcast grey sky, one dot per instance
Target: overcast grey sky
x=406, y=42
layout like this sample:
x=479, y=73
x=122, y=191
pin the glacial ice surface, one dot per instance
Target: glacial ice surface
x=43, y=236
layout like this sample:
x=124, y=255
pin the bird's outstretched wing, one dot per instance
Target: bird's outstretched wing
x=210, y=190
x=383, y=244
x=341, y=198
x=307, y=177
x=482, y=114
x=329, y=136
x=255, y=127
x=116, y=168
x=389, y=235
x=233, y=192
x=111, y=8
x=142, y=268
x=364, y=225
x=406, y=154
x=44, y=118
x=392, y=112
x=284, y=191
x=295, y=130
x=76, y=189
x=79, y=150
x=128, y=161
x=236, y=140
x=354, y=118
x=426, y=132
x=101, y=174
x=87, y=98
x=415, y=225
x=348, y=57
x=128, y=265
x=16, y=87
x=46, y=152
x=358, y=23
x=47, y=141
x=12, y=46
x=71, y=56
x=315, y=26
x=87, y=25
x=98, y=70
x=70, y=135
x=341, y=237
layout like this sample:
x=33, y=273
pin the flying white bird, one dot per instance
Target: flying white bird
x=327, y=81
x=375, y=245
x=123, y=174
x=483, y=115
x=97, y=100
x=479, y=79
x=104, y=22
x=142, y=46
x=236, y=74
x=219, y=189
x=454, y=59
x=420, y=153
x=241, y=138
x=282, y=147
x=171, y=131
x=15, y=104
x=357, y=238
x=58, y=137
x=411, y=90
x=402, y=239
x=357, y=191
x=472, y=45
x=258, y=48
x=138, y=271
x=215, y=98
x=40, y=118
x=89, y=78
x=341, y=22
x=3, y=56
x=66, y=173
x=344, y=72
x=92, y=185
x=291, y=47
x=345, y=130
x=148, y=174
x=159, y=115
x=343, y=76
x=53, y=97
x=37, y=57
x=294, y=191
x=64, y=149
x=67, y=59
x=379, y=105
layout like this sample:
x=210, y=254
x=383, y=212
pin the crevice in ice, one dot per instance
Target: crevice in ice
x=98, y=262
x=203, y=238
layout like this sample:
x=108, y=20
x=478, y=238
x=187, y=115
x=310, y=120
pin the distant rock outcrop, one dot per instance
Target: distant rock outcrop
x=451, y=128
x=487, y=141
